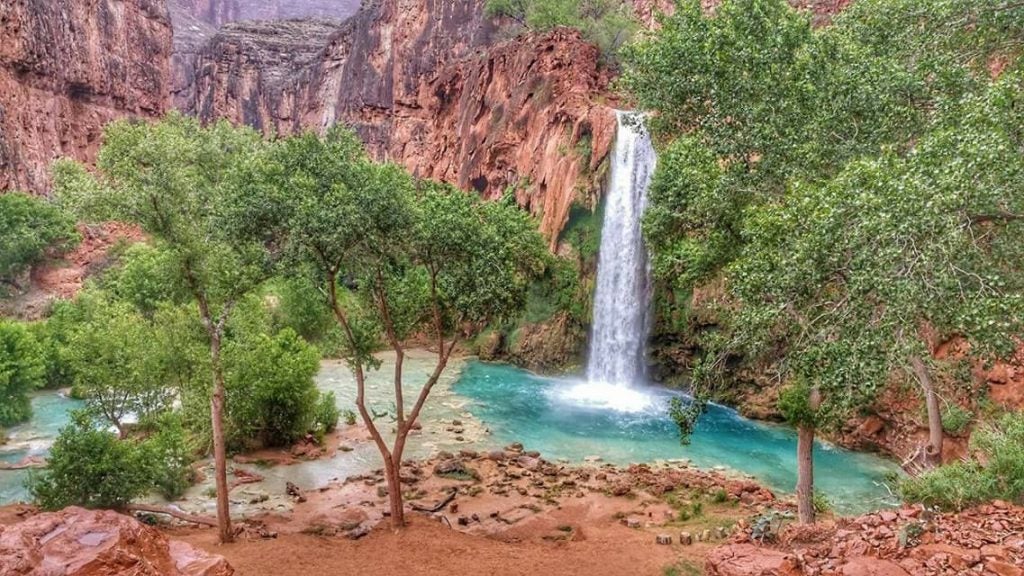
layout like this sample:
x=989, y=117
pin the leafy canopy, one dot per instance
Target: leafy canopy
x=29, y=227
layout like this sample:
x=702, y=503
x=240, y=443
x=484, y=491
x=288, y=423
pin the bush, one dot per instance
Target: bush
x=325, y=417
x=22, y=370
x=956, y=419
x=996, y=471
x=29, y=226
x=350, y=417
x=272, y=396
x=169, y=453
x=90, y=467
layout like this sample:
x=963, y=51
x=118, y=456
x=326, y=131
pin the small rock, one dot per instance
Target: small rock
x=685, y=538
x=663, y=539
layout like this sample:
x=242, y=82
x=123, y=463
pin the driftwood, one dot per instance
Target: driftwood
x=436, y=507
x=154, y=509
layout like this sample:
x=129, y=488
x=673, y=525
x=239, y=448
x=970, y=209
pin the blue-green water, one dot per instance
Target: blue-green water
x=561, y=418
x=554, y=417
x=49, y=415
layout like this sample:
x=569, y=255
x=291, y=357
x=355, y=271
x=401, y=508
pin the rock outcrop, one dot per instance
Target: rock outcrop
x=79, y=542
x=68, y=68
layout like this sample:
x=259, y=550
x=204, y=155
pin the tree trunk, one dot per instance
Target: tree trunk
x=805, y=474
x=220, y=459
x=392, y=470
x=936, y=436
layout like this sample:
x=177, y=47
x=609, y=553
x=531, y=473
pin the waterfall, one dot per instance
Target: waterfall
x=621, y=321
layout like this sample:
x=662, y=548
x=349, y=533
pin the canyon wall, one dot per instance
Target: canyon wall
x=426, y=85
x=68, y=68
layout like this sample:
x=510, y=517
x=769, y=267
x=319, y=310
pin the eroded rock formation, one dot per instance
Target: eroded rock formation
x=68, y=68
x=79, y=542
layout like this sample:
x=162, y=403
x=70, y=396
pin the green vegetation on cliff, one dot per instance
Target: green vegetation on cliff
x=607, y=23
x=30, y=227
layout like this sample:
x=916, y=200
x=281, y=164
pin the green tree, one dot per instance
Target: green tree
x=182, y=184
x=397, y=257
x=861, y=275
x=29, y=227
x=22, y=370
x=116, y=363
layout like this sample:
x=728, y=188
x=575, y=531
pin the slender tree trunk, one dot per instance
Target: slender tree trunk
x=805, y=474
x=220, y=460
x=936, y=436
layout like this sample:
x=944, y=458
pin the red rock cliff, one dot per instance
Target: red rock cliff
x=425, y=84
x=68, y=68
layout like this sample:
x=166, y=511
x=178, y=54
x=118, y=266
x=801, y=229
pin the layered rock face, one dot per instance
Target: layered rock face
x=79, y=542
x=68, y=68
x=425, y=85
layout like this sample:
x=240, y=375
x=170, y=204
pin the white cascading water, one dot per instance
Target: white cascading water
x=621, y=317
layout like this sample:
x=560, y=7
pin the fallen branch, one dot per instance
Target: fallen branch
x=154, y=509
x=436, y=507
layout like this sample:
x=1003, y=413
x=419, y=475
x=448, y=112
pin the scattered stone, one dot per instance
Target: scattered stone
x=455, y=469
x=663, y=539
x=685, y=538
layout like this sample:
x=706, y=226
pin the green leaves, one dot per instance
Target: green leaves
x=22, y=370
x=117, y=363
x=606, y=23
x=29, y=228
x=186, y=185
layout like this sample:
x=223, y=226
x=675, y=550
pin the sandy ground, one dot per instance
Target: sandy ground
x=429, y=548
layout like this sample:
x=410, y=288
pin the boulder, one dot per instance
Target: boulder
x=79, y=542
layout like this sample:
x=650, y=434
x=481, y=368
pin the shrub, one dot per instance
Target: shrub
x=29, y=226
x=350, y=417
x=956, y=419
x=821, y=502
x=169, y=453
x=22, y=370
x=90, y=467
x=272, y=396
x=996, y=470
x=326, y=414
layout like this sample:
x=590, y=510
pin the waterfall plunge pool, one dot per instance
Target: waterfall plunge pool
x=561, y=418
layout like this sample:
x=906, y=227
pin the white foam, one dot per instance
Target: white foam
x=604, y=395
